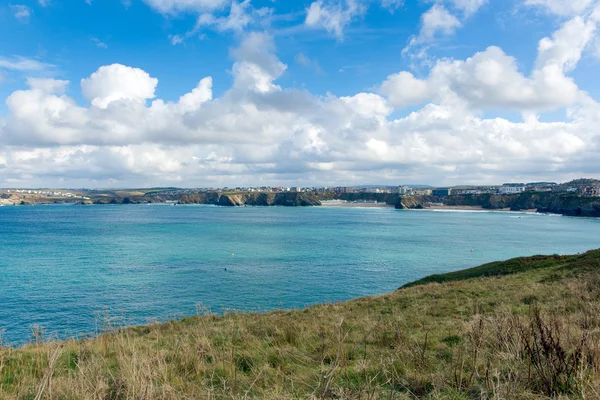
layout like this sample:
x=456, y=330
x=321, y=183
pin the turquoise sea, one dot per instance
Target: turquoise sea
x=62, y=265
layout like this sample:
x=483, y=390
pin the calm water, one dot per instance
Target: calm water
x=60, y=265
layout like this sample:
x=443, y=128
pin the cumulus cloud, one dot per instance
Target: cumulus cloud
x=257, y=67
x=260, y=131
x=437, y=20
x=333, y=16
x=116, y=82
x=491, y=79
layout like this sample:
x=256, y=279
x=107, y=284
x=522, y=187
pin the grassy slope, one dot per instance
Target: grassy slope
x=484, y=337
x=513, y=266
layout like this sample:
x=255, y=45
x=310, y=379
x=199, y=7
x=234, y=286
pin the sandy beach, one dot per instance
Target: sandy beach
x=369, y=205
x=473, y=208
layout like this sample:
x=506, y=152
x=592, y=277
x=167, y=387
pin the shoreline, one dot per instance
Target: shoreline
x=364, y=205
x=479, y=208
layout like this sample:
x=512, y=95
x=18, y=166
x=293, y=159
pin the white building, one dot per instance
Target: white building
x=511, y=189
x=404, y=190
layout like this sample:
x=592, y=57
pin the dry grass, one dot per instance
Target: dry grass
x=531, y=335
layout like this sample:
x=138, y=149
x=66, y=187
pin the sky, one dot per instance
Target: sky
x=209, y=93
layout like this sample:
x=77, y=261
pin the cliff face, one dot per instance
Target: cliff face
x=556, y=203
x=289, y=199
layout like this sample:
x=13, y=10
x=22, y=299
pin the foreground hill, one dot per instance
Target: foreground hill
x=527, y=328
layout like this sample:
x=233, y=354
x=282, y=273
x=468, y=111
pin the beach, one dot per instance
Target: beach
x=348, y=204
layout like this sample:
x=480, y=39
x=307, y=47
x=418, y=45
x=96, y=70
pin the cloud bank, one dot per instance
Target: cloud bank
x=258, y=132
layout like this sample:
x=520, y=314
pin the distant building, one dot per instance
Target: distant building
x=422, y=192
x=404, y=190
x=442, y=192
x=540, y=186
x=512, y=188
x=466, y=191
x=589, y=191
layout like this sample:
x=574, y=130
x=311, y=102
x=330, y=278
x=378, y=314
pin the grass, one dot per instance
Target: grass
x=513, y=266
x=524, y=329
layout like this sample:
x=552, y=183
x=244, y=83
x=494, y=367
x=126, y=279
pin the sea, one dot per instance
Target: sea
x=71, y=271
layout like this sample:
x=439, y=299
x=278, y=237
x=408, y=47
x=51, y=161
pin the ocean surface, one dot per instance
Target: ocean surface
x=64, y=267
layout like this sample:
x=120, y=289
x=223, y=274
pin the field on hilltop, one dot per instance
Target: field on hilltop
x=528, y=328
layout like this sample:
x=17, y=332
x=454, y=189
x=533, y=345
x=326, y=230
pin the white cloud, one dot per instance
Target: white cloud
x=44, y=3
x=241, y=16
x=116, y=82
x=257, y=67
x=434, y=22
x=437, y=20
x=176, y=6
x=403, y=89
x=564, y=49
x=200, y=95
x=333, y=16
x=47, y=85
x=468, y=7
x=392, y=4
x=563, y=8
x=18, y=63
x=21, y=12
x=491, y=79
x=99, y=43
x=259, y=131
x=238, y=19
x=175, y=39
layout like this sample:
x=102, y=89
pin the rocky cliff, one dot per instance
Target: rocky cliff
x=556, y=203
x=289, y=199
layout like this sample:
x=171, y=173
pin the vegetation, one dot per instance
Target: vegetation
x=513, y=266
x=524, y=329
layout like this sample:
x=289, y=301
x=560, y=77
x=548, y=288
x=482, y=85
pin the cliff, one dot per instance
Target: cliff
x=556, y=203
x=288, y=199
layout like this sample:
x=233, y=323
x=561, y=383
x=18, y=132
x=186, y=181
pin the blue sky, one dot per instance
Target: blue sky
x=323, y=91
x=77, y=37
